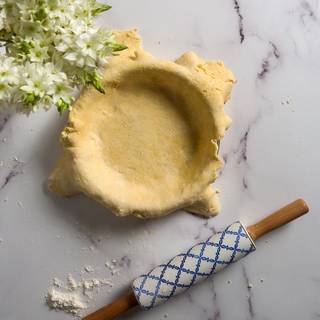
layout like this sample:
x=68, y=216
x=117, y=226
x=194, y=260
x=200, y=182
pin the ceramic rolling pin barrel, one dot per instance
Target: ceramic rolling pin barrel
x=198, y=263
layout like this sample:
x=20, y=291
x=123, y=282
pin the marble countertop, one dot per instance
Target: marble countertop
x=271, y=158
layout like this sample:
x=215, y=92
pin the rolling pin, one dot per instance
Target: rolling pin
x=198, y=263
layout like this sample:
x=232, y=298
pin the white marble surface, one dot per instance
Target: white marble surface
x=271, y=154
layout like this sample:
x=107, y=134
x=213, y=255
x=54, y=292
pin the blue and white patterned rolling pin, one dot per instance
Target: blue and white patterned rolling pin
x=198, y=263
x=195, y=265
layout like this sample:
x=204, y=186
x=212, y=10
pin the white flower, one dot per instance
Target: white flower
x=64, y=42
x=8, y=70
x=38, y=79
x=39, y=52
x=81, y=46
x=9, y=77
x=47, y=102
x=90, y=43
x=62, y=87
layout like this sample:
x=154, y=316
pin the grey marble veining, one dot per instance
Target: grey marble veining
x=270, y=154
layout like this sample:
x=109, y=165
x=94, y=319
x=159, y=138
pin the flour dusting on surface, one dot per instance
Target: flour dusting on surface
x=88, y=269
x=72, y=283
x=57, y=282
x=74, y=296
x=91, y=284
x=68, y=302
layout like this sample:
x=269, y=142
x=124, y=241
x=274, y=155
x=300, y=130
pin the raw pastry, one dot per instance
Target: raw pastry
x=149, y=145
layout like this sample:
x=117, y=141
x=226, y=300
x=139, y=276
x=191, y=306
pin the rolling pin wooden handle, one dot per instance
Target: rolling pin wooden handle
x=114, y=309
x=279, y=218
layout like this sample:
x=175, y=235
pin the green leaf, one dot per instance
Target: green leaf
x=31, y=99
x=40, y=14
x=25, y=47
x=115, y=47
x=98, y=85
x=62, y=106
x=95, y=81
x=99, y=8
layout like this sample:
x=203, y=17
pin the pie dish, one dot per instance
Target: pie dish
x=148, y=146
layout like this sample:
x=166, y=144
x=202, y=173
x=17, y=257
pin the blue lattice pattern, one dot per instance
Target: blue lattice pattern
x=193, y=266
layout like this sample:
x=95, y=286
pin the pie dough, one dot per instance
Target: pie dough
x=148, y=146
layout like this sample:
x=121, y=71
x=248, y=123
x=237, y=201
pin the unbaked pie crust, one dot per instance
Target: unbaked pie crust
x=148, y=146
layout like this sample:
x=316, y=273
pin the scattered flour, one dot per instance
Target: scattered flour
x=90, y=284
x=88, y=269
x=115, y=272
x=68, y=302
x=72, y=283
x=74, y=297
x=109, y=265
x=57, y=282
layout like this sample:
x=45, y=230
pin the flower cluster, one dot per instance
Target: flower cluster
x=50, y=49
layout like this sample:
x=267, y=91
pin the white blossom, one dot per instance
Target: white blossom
x=9, y=77
x=52, y=48
x=38, y=79
x=39, y=52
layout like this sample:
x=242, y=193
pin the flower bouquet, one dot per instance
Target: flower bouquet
x=49, y=49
